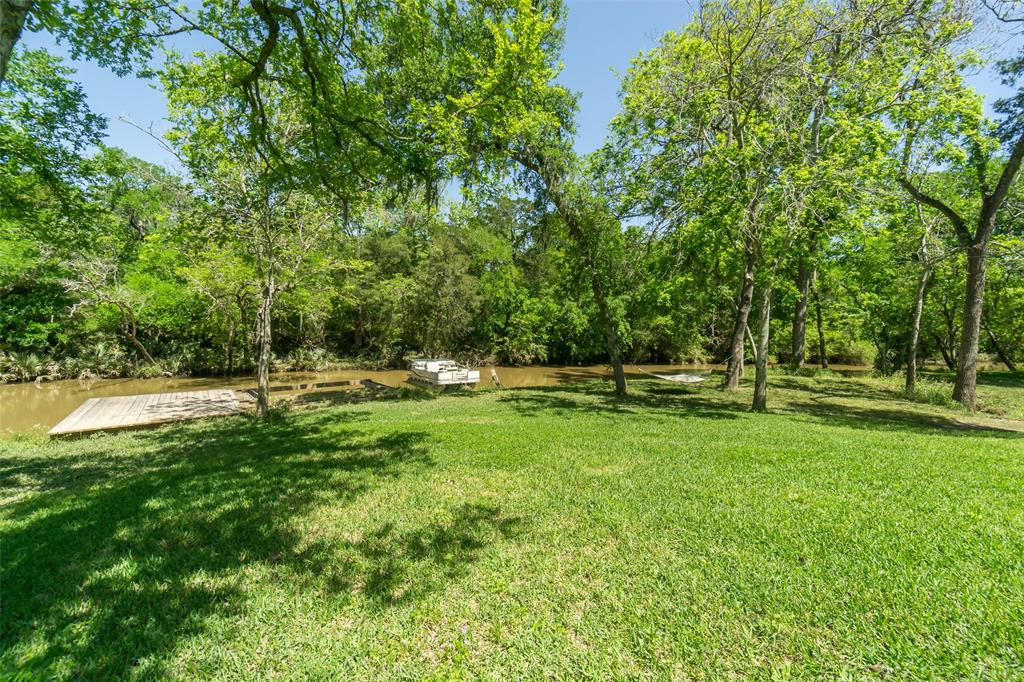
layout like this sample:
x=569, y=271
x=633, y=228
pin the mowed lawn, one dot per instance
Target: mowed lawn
x=546, y=533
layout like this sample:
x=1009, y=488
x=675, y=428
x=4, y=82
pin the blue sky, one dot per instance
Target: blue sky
x=601, y=38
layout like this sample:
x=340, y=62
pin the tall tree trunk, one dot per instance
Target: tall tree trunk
x=139, y=347
x=13, y=14
x=553, y=171
x=997, y=347
x=743, y=305
x=952, y=334
x=946, y=357
x=130, y=329
x=263, y=366
x=358, y=340
x=964, y=390
x=803, y=284
x=611, y=335
x=243, y=316
x=915, y=329
x=761, y=359
x=976, y=244
x=231, y=349
x=822, y=356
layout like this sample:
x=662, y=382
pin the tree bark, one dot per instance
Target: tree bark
x=611, y=335
x=761, y=359
x=915, y=329
x=130, y=328
x=803, y=283
x=976, y=245
x=883, y=355
x=358, y=334
x=263, y=365
x=13, y=14
x=946, y=357
x=822, y=357
x=965, y=388
x=243, y=315
x=553, y=178
x=743, y=305
x=997, y=347
x=231, y=349
x=139, y=347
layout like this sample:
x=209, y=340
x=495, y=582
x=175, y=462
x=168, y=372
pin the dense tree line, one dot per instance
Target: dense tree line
x=799, y=182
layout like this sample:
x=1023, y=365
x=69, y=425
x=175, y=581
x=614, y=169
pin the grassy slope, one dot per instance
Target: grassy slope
x=527, y=533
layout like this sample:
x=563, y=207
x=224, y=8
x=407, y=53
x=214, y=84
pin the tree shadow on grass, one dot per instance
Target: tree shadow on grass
x=905, y=419
x=806, y=400
x=152, y=447
x=103, y=575
x=389, y=566
x=1008, y=379
x=890, y=405
x=595, y=397
x=837, y=388
x=986, y=377
x=323, y=397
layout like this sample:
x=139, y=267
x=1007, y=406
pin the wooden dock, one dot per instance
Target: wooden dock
x=130, y=411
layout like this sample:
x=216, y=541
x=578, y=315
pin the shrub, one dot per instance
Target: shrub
x=309, y=360
x=932, y=392
x=845, y=351
x=27, y=366
x=148, y=371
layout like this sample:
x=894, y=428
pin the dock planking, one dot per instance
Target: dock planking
x=130, y=411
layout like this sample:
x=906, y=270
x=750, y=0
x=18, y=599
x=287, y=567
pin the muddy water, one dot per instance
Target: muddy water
x=31, y=407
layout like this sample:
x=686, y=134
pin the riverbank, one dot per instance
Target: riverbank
x=31, y=407
x=110, y=362
x=36, y=407
x=548, y=531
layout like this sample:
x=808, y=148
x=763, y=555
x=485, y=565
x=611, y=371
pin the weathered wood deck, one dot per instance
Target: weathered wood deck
x=125, y=412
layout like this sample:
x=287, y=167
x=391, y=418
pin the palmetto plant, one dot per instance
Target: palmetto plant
x=101, y=358
x=24, y=366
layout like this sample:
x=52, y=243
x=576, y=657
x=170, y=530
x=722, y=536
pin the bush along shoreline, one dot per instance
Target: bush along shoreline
x=112, y=363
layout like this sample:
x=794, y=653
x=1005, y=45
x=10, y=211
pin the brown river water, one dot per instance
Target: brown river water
x=31, y=407
x=35, y=408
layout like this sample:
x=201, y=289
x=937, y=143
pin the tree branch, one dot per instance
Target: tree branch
x=998, y=196
x=959, y=225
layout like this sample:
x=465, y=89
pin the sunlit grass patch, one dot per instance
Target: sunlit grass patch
x=527, y=534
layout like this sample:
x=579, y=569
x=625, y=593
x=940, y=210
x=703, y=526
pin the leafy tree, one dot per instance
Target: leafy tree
x=747, y=184
x=45, y=215
x=1003, y=319
x=593, y=228
x=944, y=125
x=280, y=234
x=45, y=129
x=98, y=282
x=120, y=34
x=724, y=119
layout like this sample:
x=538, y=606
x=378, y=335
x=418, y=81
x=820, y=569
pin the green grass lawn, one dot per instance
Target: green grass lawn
x=548, y=533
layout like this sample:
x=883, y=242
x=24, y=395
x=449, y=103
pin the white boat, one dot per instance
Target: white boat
x=442, y=372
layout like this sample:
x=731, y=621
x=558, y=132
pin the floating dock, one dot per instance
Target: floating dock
x=130, y=411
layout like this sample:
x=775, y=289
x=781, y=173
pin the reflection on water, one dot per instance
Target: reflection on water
x=37, y=407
